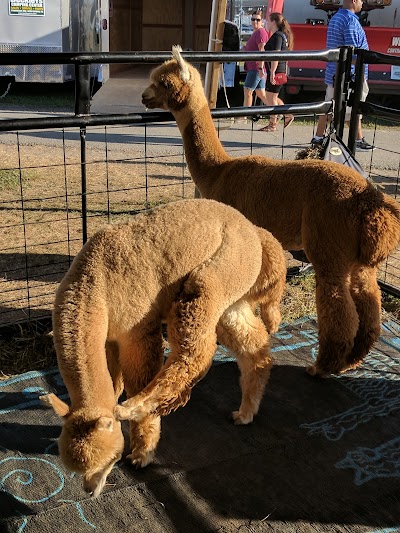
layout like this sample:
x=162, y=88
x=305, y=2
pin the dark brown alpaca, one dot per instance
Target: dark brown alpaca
x=345, y=226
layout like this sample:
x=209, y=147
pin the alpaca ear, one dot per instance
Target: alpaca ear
x=183, y=67
x=60, y=407
x=105, y=423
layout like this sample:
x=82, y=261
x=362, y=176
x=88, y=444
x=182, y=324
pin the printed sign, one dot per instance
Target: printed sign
x=395, y=45
x=395, y=72
x=26, y=7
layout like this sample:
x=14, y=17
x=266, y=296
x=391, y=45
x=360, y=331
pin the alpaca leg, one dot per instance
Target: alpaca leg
x=337, y=323
x=191, y=328
x=271, y=312
x=367, y=298
x=144, y=437
x=192, y=321
x=114, y=368
x=141, y=357
x=270, y=305
x=270, y=285
x=245, y=334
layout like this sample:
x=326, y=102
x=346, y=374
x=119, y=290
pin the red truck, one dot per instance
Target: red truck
x=309, y=20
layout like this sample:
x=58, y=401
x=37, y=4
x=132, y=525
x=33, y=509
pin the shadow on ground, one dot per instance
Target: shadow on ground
x=321, y=455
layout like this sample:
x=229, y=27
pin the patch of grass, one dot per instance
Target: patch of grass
x=391, y=305
x=10, y=178
x=299, y=298
x=28, y=347
x=39, y=96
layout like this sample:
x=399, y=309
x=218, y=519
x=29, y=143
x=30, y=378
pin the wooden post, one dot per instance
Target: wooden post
x=217, y=25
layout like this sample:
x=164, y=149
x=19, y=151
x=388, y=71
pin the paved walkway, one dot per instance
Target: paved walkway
x=122, y=93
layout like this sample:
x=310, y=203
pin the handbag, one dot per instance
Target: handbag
x=280, y=78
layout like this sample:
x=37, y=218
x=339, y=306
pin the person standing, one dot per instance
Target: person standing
x=344, y=29
x=281, y=38
x=255, y=70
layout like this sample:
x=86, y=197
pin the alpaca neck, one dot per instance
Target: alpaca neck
x=203, y=149
x=90, y=386
x=82, y=358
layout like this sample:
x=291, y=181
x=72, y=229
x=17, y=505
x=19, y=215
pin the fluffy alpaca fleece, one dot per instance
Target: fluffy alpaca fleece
x=345, y=225
x=197, y=264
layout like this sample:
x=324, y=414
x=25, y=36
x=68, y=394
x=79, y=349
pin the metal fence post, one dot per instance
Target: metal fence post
x=340, y=89
x=82, y=107
x=82, y=89
x=358, y=88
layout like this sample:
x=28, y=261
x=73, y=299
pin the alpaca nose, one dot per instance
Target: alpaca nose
x=87, y=487
x=146, y=94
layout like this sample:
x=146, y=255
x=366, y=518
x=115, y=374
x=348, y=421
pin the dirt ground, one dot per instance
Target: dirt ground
x=127, y=170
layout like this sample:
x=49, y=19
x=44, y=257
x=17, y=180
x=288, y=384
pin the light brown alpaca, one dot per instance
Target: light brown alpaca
x=345, y=226
x=198, y=264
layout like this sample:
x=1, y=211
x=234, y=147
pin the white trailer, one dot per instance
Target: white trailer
x=52, y=26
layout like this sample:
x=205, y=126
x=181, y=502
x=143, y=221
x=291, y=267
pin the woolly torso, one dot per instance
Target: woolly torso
x=277, y=195
x=128, y=275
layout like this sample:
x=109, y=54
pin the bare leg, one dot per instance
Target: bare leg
x=263, y=96
x=141, y=358
x=367, y=297
x=337, y=322
x=269, y=98
x=247, y=97
x=359, y=130
x=321, y=126
x=245, y=334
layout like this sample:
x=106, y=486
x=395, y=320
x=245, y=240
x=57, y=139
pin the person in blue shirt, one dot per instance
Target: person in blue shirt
x=344, y=29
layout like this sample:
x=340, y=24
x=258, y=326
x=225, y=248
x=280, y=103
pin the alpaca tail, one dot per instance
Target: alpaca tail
x=380, y=231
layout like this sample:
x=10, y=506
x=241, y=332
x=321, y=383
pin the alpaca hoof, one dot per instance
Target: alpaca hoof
x=312, y=370
x=352, y=366
x=142, y=460
x=137, y=412
x=273, y=327
x=240, y=419
x=122, y=413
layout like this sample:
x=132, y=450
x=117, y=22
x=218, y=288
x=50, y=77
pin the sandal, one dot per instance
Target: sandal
x=268, y=128
x=288, y=120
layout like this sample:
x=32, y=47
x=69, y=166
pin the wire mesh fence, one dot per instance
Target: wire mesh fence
x=63, y=179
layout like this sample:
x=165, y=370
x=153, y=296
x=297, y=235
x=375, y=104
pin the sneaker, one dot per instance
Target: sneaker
x=363, y=146
x=317, y=140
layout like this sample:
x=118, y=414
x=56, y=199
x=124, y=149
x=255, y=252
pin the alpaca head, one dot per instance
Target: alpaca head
x=91, y=442
x=172, y=84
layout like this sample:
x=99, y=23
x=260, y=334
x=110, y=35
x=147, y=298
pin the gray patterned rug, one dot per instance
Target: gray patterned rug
x=322, y=455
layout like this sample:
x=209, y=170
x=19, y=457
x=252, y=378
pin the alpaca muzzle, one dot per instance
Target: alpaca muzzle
x=149, y=98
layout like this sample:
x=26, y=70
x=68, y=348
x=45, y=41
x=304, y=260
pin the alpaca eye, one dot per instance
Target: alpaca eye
x=164, y=84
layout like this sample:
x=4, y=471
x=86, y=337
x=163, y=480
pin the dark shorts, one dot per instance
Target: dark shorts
x=272, y=88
